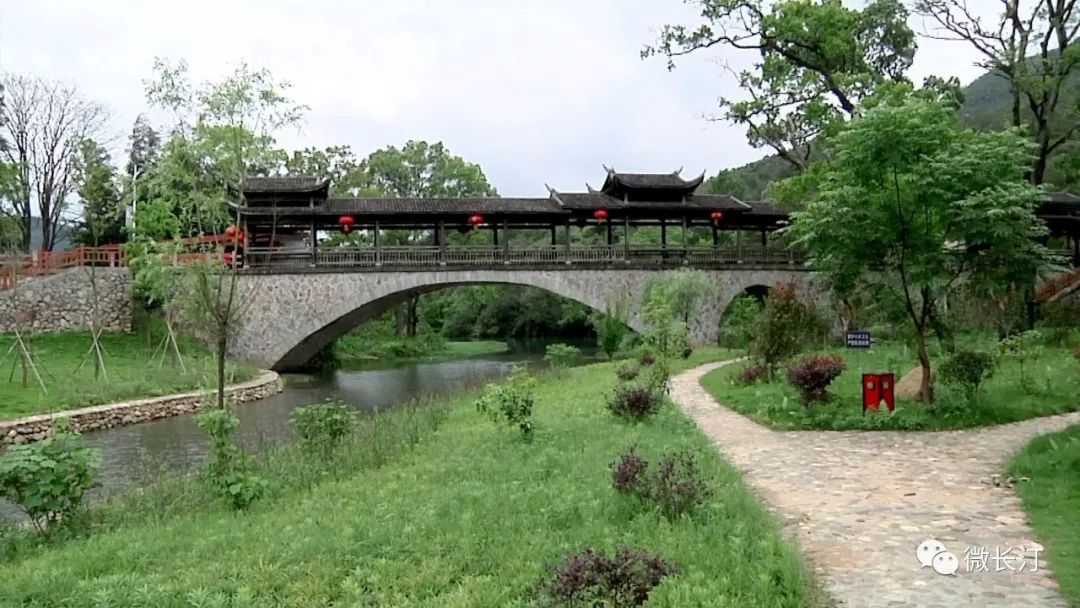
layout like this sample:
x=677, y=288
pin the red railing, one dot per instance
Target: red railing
x=43, y=263
x=21, y=266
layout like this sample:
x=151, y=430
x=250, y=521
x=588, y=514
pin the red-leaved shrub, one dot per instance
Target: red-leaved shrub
x=590, y=578
x=811, y=376
x=627, y=475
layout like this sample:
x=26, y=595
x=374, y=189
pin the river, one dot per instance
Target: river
x=140, y=452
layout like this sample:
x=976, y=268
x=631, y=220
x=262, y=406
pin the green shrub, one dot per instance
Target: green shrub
x=511, y=402
x=561, y=356
x=1061, y=318
x=737, y=325
x=48, y=479
x=968, y=370
x=228, y=468
x=611, y=329
x=627, y=372
x=1023, y=347
x=322, y=427
x=781, y=328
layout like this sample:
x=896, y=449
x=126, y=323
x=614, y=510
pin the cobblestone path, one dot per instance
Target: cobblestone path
x=860, y=503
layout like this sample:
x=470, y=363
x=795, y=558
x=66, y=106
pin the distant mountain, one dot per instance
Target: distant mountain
x=987, y=105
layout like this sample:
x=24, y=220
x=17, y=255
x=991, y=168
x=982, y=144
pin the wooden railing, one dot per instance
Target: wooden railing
x=407, y=257
x=17, y=267
x=21, y=266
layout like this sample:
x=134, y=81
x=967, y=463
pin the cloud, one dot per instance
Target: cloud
x=533, y=91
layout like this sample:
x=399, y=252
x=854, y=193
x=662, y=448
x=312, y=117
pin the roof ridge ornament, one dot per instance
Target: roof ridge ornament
x=609, y=170
x=591, y=189
x=554, y=195
x=678, y=171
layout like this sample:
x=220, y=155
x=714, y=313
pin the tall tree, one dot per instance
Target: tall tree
x=420, y=169
x=224, y=131
x=45, y=122
x=337, y=163
x=1034, y=47
x=912, y=204
x=99, y=195
x=818, y=59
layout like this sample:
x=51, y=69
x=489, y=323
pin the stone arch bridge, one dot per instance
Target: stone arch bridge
x=292, y=316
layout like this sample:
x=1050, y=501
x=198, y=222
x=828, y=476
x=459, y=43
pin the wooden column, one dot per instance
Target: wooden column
x=314, y=245
x=663, y=233
x=609, y=235
x=685, y=236
x=506, y=240
x=715, y=237
x=378, y=245
x=738, y=245
x=440, y=238
x=495, y=235
x=554, y=237
x=566, y=240
x=626, y=237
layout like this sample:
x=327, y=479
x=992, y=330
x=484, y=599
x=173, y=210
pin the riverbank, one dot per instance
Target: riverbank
x=133, y=369
x=454, y=511
x=34, y=428
x=349, y=355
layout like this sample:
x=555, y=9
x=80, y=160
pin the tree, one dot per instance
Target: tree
x=336, y=163
x=144, y=148
x=818, y=59
x=610, y=327
x=915, y=205
x=681, y=292
x=224, y=131
x=45, y=122
x=420, y=169
x=1032, y=46
x=96, y=184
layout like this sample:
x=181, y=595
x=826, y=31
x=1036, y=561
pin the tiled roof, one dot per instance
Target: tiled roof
x=661, y=181
x=291, y=185
x=419, y=206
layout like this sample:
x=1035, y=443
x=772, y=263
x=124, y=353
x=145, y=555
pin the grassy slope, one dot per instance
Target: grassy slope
x=1052, y=501
x=128, y=365
x=471, y=517
x=1055, y=390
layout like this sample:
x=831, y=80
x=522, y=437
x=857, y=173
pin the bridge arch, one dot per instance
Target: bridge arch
x=292, y=316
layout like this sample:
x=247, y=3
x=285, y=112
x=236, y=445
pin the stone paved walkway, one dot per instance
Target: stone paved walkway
x=860, y=503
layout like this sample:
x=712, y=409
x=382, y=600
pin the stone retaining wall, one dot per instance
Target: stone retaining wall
x=64, y=301
x=34, y=428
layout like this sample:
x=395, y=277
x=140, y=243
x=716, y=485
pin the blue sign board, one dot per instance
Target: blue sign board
x=858, y=339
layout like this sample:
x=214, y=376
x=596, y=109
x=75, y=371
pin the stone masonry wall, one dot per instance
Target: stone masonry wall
x=292, y=316
x=34, y=428
x=64, y=301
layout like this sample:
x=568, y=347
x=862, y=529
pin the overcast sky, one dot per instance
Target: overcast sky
x=535, y=91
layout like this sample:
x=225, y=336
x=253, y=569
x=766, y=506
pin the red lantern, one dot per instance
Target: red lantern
x=716, y=216
x=476, y=220
x=600, y=215
x=232, y=231
x=346, y=222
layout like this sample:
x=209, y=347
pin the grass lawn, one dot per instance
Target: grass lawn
x=1053, y=388
x=1052, y=502
x=131, y=373
x=470, y=515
